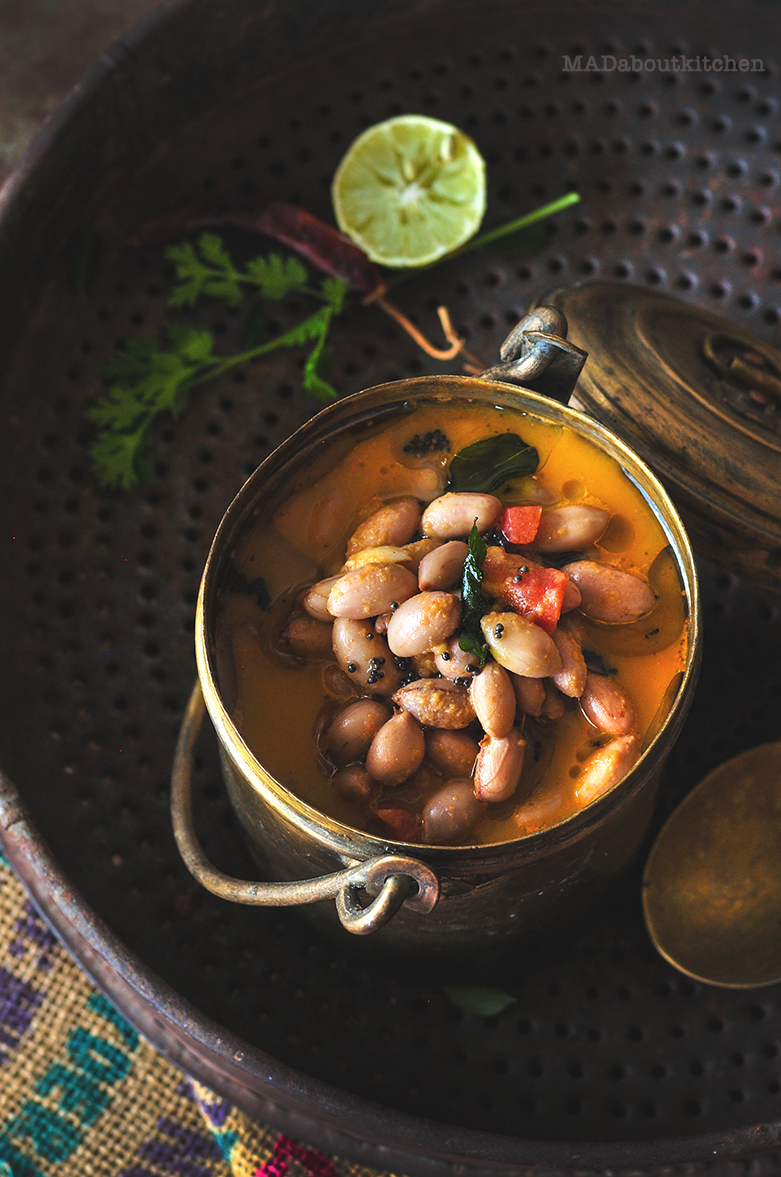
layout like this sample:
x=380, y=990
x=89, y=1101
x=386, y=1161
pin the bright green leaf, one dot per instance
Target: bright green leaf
x=276, y=276
x=473, y=603
x=334, y=292
x=486, y=464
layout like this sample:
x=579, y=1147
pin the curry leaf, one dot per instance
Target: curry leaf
x=473, y=603
x=486, y=464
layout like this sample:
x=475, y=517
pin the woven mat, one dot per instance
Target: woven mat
x=82, y=1094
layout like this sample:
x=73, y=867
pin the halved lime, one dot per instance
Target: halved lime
x=410, y=190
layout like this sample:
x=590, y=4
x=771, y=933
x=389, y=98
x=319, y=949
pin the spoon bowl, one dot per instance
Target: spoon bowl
x=712, y=882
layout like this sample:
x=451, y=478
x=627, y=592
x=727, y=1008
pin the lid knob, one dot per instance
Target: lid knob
x=537, y=355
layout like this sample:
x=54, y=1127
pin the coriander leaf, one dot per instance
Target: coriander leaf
x=473, y=603
x=214, y=252
x=192, y=345
x=146, y=376
x=334, y=291
x=147, y=381
x=486, y=464
x=313, y=380
x=132, y=361
x=115, y=458
x=276, y=276
x=311, y=328
x=211, y=274
x=118, y=410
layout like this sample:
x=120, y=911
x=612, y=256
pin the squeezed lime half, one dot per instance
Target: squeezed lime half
x=410, y=190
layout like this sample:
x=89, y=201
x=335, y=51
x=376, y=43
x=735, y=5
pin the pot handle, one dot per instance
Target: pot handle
x=537, y=355
x=391, y=879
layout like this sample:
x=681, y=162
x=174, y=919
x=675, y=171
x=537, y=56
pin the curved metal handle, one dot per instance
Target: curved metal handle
x=392, y=879
x=537, y=355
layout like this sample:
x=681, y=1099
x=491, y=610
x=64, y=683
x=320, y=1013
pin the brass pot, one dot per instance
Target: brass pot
x=420, y=897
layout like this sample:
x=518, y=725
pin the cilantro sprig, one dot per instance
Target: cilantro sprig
x=473, y=604
x=148, y=380
x=206, y=269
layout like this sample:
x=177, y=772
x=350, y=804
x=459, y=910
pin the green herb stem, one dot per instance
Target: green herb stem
x=309, y=328
x=488, y=238
x=539, y=214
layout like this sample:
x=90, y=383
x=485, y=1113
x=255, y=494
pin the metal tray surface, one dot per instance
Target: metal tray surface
x=608, y=1059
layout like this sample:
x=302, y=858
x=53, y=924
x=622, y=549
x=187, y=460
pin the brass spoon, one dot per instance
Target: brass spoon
x=712, y=883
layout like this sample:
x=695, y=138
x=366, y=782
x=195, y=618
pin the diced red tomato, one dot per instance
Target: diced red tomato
x=519, y=524
x=528, y=588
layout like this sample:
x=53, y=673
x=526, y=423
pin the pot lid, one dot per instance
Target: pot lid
x=699, y=399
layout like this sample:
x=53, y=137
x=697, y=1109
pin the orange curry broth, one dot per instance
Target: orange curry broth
x=279, y=702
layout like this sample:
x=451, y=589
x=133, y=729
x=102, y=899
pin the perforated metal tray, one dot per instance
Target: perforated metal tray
x=608, y=1059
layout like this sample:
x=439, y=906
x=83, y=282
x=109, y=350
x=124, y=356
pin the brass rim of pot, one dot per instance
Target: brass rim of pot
x=363, y=408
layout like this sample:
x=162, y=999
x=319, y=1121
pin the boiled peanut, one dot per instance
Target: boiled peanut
x=352, y=731
x=423, y=782
x=416, y=552
x=315, y=599
x=354, y=785
x=451, y=813
x=572, y=597
x=395, y=524
x=567, y=529
x=444, y=566
x=451, y=516
x=397, y=750
x=384, y=554
x=609, y=594
x=493, y=699
x=606, y=767
x=423, y=621
x=371, y=589
x=335, y=682
x=519, y=645
x=553, y=707
x=424, y=665
x=453, y=752
x=571, y=679
x=381, y=622
x=529, y=694
x=607, y=705
x=453, y=662
x=436, y=702
x=539, y=810
x=307, y=637
x=499, y=766
x=365, y=656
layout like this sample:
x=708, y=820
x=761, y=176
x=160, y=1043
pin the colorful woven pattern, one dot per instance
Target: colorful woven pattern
x=82, y=1095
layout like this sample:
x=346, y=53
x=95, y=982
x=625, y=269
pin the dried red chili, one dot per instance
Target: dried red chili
x=311, y=238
